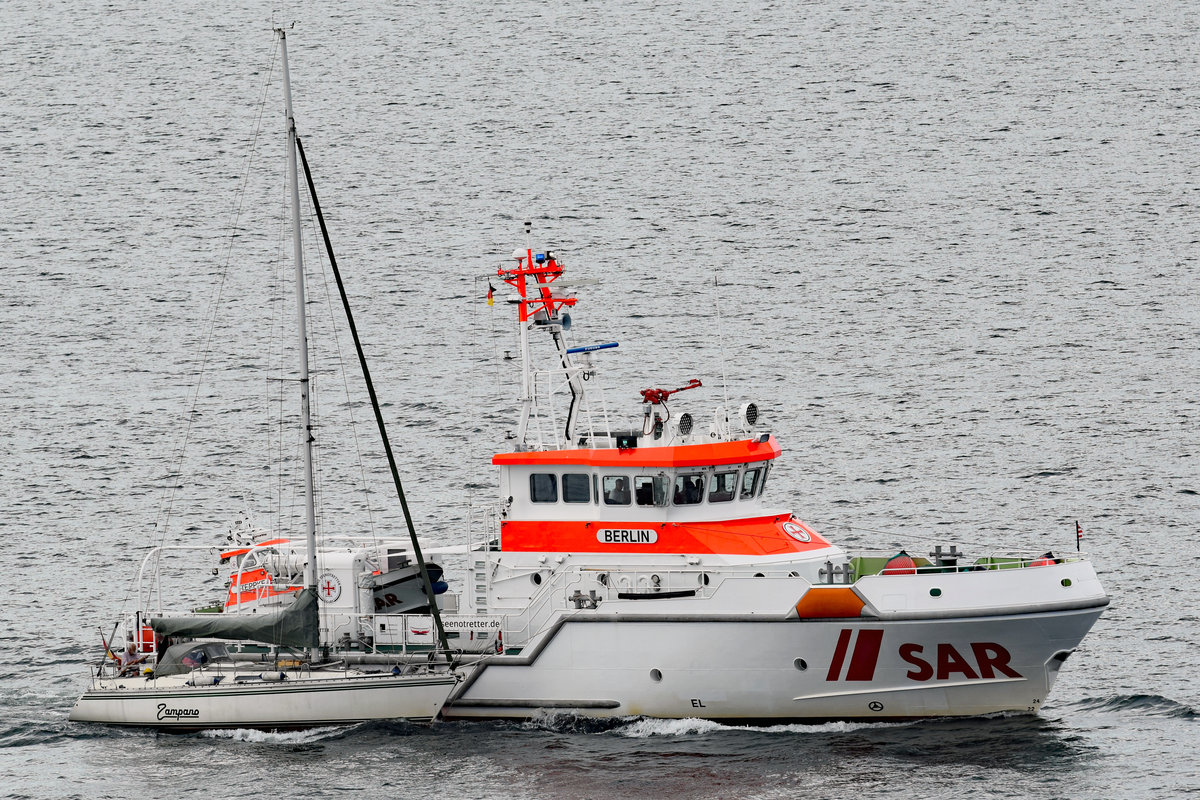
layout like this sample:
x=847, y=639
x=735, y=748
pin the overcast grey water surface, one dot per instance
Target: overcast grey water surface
x=949, y=248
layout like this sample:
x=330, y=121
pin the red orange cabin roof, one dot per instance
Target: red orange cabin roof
x=688, y=455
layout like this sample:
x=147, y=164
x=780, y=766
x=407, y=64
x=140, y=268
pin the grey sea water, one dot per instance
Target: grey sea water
x=950, y=249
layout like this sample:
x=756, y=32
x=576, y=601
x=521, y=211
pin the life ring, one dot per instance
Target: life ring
x=797, y=532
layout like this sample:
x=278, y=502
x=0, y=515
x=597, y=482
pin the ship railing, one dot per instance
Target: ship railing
x=545, y=605
x=389, y=637
x=483, y=526
x=581, y=588
x=166, y=572
x=545, y=424
x=483, y=535
x=863, y=563
x=154, y=583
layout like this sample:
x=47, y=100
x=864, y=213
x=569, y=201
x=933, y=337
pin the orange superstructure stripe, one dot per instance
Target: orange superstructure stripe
x=756, y=536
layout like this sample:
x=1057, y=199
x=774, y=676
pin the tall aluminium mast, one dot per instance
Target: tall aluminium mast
x=310, y=533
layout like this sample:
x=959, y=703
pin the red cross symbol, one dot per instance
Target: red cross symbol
x=328, y=587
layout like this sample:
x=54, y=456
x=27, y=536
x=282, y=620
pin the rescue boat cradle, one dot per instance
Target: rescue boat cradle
x=641, y=572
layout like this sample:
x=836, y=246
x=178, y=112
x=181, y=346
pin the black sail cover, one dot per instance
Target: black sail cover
x=295, y=626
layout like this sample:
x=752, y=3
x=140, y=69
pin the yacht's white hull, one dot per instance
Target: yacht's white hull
x=296, y=702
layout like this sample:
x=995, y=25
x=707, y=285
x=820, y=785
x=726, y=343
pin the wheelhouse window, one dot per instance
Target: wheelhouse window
x=749, y=483
x=763, y=482
x=616, y=490
x=576, y=488
x=543, y=487
x=650, y=490
x=722, y=486
x=689, y=489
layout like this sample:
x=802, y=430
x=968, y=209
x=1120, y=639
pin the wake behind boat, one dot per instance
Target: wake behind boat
x=196, y=684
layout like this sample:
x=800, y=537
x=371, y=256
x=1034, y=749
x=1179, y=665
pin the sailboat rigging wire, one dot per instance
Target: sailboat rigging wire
x=315, y=396
x=721, y=344
x=387, y=446
x=477, y=390
x=341, y=360
x=166, y=506
x=275, y=421
x=167, y=500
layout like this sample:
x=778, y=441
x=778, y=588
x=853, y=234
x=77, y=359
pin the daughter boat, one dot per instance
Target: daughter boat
x=640, y=570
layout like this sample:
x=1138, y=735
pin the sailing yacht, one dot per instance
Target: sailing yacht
x=196, y=683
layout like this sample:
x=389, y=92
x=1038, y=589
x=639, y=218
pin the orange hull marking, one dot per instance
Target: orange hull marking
x=822, y=602
x=256, y=596
x=758, y=536
x=687, y=455
x=259, y=592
